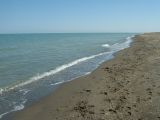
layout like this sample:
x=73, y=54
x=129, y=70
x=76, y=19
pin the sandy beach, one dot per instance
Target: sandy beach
x=124, y=88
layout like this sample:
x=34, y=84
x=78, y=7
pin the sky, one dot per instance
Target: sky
x=79, y=16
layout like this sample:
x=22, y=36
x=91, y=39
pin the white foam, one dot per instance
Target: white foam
x=120, y=46
x=16, y=108
x=4, y=114
x=1, y=91
x=20, y=107
x=106, y=45
x=25, y=91
x=57, y=83
x=87, y=73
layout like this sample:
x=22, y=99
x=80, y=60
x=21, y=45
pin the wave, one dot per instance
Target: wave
x=57, y=83
x=106, y=45
x=119, y=46
x=16, y=108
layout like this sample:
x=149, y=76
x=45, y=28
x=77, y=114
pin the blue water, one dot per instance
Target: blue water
x=33, y=65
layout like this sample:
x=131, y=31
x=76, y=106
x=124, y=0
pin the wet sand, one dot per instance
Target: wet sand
x=124, y=88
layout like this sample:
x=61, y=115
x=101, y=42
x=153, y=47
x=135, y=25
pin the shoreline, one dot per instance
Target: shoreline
x=109, y=92
x=109, y=54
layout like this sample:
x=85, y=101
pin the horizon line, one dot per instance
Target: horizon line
x=67, y=32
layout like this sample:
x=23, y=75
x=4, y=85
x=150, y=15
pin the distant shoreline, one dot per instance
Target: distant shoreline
x=126, y=87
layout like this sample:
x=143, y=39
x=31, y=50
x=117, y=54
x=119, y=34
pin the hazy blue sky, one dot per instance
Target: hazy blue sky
x=19, y=16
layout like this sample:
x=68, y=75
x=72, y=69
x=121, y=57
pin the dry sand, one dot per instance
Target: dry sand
x=125, y=88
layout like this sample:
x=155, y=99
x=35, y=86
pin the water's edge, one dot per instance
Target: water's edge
x=18, y=108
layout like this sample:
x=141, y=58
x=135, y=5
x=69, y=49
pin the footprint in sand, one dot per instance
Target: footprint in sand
x=149, y=91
